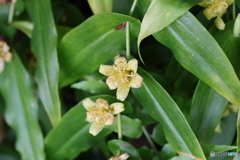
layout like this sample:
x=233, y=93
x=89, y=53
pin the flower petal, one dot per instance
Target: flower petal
x=1, y=65
x=132, y=65
x=96, y=127
x=119, y=60
x=8, y=57
x=136, y=81
x=109, y=119
x=90, y=117
x=88, y=104
x=112, y=82
x=123, y=156
x=101, y=103
x=117, y=108
x=122, y=91
x=106, y=69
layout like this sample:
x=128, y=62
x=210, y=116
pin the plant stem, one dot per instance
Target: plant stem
x=127, y=41
x=151, y=142
x=133, y=7
x=119, y=126
x=11, y=12
x=234, y=10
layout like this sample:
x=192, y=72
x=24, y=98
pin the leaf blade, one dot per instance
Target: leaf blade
x=163, y=109
x=21, y=110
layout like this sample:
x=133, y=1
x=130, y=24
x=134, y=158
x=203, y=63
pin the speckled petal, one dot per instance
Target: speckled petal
x=8, y=57
x=109, y=119
x=124, y=156
x=117, y=107
x=88, y=104
x=120, y=59
x=132, y=65
x=122, y=91
x=102, y=103
x=1, y=65
x=90, y=117
x=136, y=81
x=96, y=127
x=112, y=82
x=106, y=70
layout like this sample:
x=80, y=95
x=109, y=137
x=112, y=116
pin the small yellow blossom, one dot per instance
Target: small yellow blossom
x=216, y=8
x=122, y=75
x=121, y=157
x=100, y=113
x=5, y=55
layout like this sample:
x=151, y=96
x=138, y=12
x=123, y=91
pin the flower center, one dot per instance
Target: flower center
x=216, y=8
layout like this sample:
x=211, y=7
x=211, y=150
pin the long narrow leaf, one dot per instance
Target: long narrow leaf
x=197, y=51
x=44, y=40
x=163, y=109
x=206, y=111
x=21, y=110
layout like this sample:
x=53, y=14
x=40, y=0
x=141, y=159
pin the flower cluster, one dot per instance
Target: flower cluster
x=122, y=75
x=120, y=157
x=5, y=55
x=100, y=113
x=216, y=8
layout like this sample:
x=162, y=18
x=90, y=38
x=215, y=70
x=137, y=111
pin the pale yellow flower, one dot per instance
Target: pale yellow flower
x=121, y=157
x=122, y=75
x=100, y=113
x=5, y=55
x=216, y=8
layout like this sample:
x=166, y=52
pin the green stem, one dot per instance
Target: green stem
x=11, y=12
x=234, y=10
x=119, y=126
x=127, y=41
x=151, y=142
x=133, y=7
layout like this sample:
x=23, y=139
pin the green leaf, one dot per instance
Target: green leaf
x=99, y=6
x=197, y=51
x=162, y=13
x=86, y=47
x=24, y=26
x=43, y=45
x=71, y=136
x=162, y=108
x=130, y=127
x=228, y=128
x=21, y=112
x=216, y=148
x=99, y=87
x=158, y=135
x=145, y=153
x=167, y=152
x=116, y=146
x=206, y=111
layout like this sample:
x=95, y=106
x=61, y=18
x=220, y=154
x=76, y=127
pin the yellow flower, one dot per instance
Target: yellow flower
x=122, y=75
x=100, y=113
x=216, y=8
x=121, y=157
x=5, y=55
